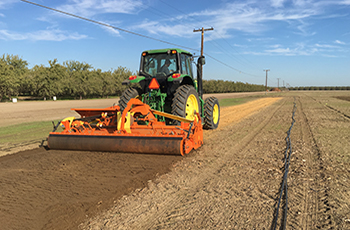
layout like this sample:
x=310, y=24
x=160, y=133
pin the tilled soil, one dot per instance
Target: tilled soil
x=54, y=189
x=234, y=180
x=59, y=189
x=231, y=182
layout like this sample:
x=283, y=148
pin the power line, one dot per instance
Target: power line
x=229, y=54
x=239, y=71
x=107, y=25
x=131, y=32
x=247, y=62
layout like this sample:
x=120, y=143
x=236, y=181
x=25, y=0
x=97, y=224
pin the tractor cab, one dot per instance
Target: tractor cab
x=159, y=64
x=166, y=63
x=171, y=68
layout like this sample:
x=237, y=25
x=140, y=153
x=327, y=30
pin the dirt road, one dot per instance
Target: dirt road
x=232, y=182
x=29, y=111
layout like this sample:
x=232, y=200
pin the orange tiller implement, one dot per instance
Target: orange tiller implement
x=135, y=130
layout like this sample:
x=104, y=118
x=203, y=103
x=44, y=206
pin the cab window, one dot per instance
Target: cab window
x=154, y=64
x=186, y=67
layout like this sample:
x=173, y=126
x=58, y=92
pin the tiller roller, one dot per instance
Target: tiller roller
x=135, y=130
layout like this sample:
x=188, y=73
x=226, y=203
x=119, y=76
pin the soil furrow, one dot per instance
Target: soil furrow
x=208, y=187
x=320, y=216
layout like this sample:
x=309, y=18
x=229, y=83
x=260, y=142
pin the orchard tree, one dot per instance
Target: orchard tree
x=119, y=75
x=12, y=72
x=48, y=81
x=77, y=82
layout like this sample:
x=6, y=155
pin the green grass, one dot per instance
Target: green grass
x=235, y=101
x=25, y=132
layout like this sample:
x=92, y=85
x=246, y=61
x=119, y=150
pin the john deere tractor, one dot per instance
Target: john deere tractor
x=166, y=83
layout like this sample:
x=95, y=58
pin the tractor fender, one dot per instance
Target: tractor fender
x=183, y=80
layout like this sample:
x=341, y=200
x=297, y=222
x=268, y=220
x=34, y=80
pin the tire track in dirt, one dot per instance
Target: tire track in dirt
x=174, y=200
x=210, y=175
x=310, y=206
x=331, y=108
x=323, y=215
x=330, y=133
x=338, y=111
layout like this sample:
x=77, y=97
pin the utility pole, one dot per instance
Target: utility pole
x=266, y=70
x=202, y=41
x=283, y=83
x=200, y=86
x=278, y=82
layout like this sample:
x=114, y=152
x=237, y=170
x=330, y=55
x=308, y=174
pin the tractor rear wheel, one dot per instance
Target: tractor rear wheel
x=211, y=113
x=127, y=95
x=185, y=102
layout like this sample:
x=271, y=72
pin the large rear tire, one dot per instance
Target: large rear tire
x=211, y=113
x=127, y=95
x=185, y=102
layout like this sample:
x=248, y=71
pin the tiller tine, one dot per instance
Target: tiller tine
x=136, y=130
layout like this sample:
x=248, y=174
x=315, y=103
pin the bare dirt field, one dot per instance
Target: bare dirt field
x=231, y=182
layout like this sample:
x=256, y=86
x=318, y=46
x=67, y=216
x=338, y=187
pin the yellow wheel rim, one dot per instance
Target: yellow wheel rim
x=216, y=114
x=191, y=106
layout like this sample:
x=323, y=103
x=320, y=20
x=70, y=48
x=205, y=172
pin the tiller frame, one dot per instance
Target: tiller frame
x=135, y=130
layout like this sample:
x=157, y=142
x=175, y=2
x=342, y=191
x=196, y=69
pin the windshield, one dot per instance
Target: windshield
x=159, y=64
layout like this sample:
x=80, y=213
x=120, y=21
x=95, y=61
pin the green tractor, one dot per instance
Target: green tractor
x=167, y=84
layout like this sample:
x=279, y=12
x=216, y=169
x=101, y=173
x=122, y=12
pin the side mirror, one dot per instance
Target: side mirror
x=201, y=60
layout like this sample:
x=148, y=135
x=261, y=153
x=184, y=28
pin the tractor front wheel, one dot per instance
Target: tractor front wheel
x=185, y=102
x=211, y=113
x=127, y=95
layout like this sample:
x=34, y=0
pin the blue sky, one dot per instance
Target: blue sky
x=302, y=42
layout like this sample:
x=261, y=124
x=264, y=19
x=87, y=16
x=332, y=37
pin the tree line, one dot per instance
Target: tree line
x=78, y=80
x=221, y=86
x=72, y=79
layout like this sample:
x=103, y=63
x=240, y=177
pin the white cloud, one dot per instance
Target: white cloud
x=277, y=3
x=154, y=27
x=345, y=2
x=325, y=46
x=89, y=8
x=329, y=55
x=301, y=49
x=303, y=28
x=111, y=31
x=303, y=3
x=275, y=46
x=41, y=35
x=339, y=42
x=285, y=51
x=249, y=16
x=6, y=3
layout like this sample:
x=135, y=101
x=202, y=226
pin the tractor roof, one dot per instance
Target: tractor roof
x=165, y=50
